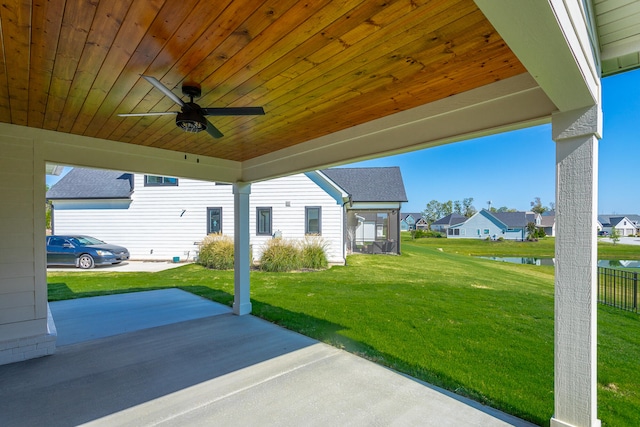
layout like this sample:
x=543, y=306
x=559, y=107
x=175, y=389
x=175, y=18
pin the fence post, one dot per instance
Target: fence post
x=635, y=291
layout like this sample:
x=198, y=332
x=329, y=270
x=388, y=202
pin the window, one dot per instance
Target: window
x=214, y=220
x=312, y=217
x=157, y=181
x=486, y=231
x=56, y=241
x=263, y=221
x=454, y=232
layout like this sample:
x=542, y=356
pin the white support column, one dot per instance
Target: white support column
x=241, y=299
x=576, y=134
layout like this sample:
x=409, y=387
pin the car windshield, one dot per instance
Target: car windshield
x=86, y=241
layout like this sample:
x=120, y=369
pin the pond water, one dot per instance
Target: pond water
x=549, y=261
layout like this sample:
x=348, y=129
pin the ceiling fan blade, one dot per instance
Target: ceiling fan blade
x=213, y=131
x=166, y=113
x=233, y=111
x=163, y=89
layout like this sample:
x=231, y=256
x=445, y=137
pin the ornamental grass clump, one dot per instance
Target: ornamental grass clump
x=280, y=255
x=216, y=252
x=314, y=254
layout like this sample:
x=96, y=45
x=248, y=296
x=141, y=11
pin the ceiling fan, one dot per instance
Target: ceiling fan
x=192, y=117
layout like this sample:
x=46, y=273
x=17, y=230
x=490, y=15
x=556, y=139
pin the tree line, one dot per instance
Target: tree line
x=436, y=209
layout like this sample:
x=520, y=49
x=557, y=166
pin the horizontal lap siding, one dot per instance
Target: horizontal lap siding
x=474, y=223
x=300, y=192
x=17, y=257
x=155, y=221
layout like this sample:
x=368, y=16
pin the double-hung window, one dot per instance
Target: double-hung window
x=313, y=220
x=263, y=221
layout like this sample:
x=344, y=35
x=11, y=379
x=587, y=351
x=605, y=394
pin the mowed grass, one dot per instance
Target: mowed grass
x=481, y=328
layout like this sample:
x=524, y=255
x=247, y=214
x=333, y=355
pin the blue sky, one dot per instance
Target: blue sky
x=511, y=169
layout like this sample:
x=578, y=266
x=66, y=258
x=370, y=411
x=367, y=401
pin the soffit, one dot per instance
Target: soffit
x=618, y=29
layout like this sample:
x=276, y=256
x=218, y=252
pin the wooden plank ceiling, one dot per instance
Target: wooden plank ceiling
x=315, y=66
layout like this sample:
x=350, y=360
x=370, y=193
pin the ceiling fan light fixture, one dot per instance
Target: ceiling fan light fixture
x=191, y=121
x=192, y=117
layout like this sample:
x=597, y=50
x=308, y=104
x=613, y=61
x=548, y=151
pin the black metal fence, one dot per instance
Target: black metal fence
x=618, y=288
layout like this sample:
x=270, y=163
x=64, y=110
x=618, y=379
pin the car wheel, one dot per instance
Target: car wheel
x=85, y=261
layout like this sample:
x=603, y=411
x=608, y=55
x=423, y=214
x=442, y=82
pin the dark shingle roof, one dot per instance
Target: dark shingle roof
x=81, y=183
x=547, y=220
x=451, y=219
x=610, y=220
x=370, y=184
x=415, y=215
x=514, y=219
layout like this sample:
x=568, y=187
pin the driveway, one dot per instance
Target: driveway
x=127, y=266
x=623, y=240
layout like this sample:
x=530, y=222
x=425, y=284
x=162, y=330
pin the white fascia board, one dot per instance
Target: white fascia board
x=552, y=40
x=501, y=106
x=374, y=205
x=76, y=150
x=330, y=187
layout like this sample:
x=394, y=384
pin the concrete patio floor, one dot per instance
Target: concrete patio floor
x=210, y=367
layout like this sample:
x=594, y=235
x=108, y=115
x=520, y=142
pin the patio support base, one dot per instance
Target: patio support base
x=241, y=299
x=576, y=134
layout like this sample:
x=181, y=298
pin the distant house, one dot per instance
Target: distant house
x=548, y=224
x=494, y=225
x=160, y=218
x=626, y=225
x=412, y=221
x=444, y=223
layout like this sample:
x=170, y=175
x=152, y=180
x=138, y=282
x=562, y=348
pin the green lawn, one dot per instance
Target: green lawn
x=481, y=328
x=544, y=248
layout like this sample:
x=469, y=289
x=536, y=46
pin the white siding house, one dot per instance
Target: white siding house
x=625, y=225
x=494, y=225
x=163, y=220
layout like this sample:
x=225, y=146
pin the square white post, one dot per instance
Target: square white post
x=576, y=134
x=241, y=298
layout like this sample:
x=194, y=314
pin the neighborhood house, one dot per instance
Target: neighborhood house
x=413, y=221
x=443, y=224
x=495, y=225
x=164, y=218
x=625, y=225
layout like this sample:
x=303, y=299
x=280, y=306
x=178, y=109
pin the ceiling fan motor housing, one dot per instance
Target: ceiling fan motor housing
x=190, y=119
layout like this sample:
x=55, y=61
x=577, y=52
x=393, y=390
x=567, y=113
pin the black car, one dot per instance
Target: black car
x=83, y=251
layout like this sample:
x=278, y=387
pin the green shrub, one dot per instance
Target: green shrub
x=216, y=252
x=420, y=233
x=280, y=255
x=314, y=254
